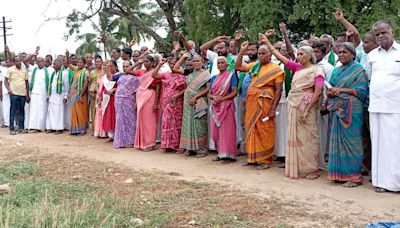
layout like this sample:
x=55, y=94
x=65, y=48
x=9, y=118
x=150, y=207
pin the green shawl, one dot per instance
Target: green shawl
x=46, y=74
x=59, y=82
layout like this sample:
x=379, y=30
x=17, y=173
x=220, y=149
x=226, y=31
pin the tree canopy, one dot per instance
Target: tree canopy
x=206, y=19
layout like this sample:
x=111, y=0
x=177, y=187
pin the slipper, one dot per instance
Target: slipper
x=381, y=190
x=263, y=166
x=248, y=164
x=312, y=176
x=229, y=161
x=352, y=184
x=282, y=165
x=216, y=159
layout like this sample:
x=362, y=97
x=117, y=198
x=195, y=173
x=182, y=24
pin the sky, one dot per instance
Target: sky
x=30, y=28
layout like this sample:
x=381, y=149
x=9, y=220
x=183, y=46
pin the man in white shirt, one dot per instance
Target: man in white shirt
x=57, y=94
x=38, y=89
x=319, y=50
x=67, y=74
x=384, y=108
x=330, y=56
x=116, y=55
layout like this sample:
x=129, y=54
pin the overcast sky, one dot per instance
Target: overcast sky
x=29, y=28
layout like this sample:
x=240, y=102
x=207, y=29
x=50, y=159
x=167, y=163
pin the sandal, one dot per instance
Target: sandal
x=216, y=159
x=282, y=165
x=248, y=164
x=263, y=166
x=312, y=176
x=202, y=155
x=180, y=151
x=188, y=153
x=352, y=184
x=229, y=161
x=381, y=190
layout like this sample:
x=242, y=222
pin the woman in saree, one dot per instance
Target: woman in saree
x=302, y=147
x=346, y=105
x=147, y=107
x=172, y=100
x=194, y=135
x=262, y=98
x=223, y=89
x=78, y=98
x=125, y=104
x=96, y=78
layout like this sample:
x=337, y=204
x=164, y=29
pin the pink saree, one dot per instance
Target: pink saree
x=146, y=122
x=222, y=121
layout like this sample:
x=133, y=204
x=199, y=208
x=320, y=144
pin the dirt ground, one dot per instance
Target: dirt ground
x=360, y=205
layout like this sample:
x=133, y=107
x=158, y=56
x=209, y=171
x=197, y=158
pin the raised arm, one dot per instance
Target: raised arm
x=131, y=69
x=239, y=60
x=30, y=56
x=185, y=42
x=264, y=39
x=9, y=53
x=177, y=67
x=204, y=48
x=238, y=36
x=155, y=73
x=349, y=26
x=289, y=49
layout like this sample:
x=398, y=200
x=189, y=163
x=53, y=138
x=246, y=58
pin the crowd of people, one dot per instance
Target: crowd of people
x=323, y=104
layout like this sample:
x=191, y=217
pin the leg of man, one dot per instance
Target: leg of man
x=13, y=110
x=21, y=117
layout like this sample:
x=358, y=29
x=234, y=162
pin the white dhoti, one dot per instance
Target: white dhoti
x=27, y=111
x=281, y=122
x=385, y=139
x=37, y=112
x=238, y=120
x=6, y=109
x=67, y=117
x=1, y=113
x=323, y=145
x=55, y=113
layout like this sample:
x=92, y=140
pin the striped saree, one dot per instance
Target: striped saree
x=345, y=123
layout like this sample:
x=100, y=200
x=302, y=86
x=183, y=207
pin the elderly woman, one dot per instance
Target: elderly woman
x=194, y=137
x=346, y=104
x=302, y=148
x=223, y=89
x=263, y=96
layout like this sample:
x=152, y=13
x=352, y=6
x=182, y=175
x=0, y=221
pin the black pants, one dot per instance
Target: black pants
x=17, y=105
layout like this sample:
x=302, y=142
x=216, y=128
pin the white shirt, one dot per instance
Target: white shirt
x=3, y=71
x=120, y=64
x=56, y=98
x=384, y=71
x=39, y=86
x=328, y=69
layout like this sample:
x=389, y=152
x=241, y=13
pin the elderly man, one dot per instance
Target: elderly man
x=384, y=108
x=330, y=56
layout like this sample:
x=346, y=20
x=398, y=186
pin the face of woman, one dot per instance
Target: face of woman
x=303, y=57
x=99, y=63
x=197, y=62
x=222, y=65
x=113, y=68
x=80, y=64
x=125, y=67
x=147, y=63
x=264, y=56
x=345, y=56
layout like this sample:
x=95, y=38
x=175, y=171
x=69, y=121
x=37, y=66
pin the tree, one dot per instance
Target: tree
x=203, y=20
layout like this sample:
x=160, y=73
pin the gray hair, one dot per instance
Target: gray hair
x=303, y=43
x=265, y=47
x=383, y=22
x=349, y=46
x=309, y=51
x=327, y=36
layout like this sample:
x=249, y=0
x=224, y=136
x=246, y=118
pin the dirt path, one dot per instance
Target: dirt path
x=360, y=204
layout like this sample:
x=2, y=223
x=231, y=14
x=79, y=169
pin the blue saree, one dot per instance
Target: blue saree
x=346, y=122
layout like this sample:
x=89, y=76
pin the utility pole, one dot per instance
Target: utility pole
x=5, y=28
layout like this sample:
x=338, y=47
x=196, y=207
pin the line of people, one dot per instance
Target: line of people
x=327, y=98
